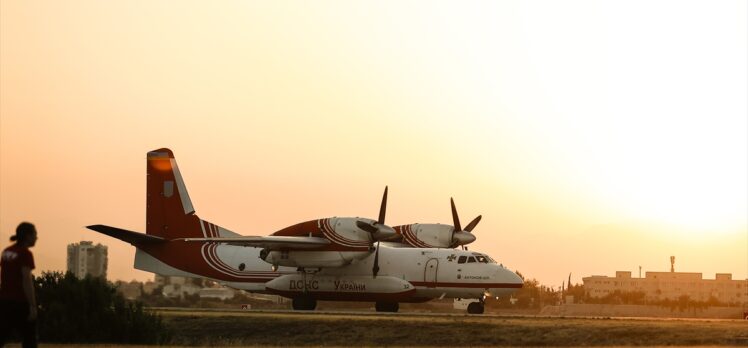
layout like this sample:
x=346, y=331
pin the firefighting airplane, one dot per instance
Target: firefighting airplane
x=334, y=259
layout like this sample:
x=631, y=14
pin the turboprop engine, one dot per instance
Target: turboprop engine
x=350, y=239
x=438, y=235
x=433, y=236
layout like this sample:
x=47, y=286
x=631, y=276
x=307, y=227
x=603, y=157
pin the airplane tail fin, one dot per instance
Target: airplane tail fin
x=169, y=210
x=169, y=216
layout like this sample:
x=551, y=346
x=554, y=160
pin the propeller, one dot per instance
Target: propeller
x=473, y=223
x=375, y=268
x=378, y=230
x=460, y=236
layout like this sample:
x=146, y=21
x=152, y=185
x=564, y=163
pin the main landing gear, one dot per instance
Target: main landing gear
x=304, y=303
x=391, y=307
x=477, y=307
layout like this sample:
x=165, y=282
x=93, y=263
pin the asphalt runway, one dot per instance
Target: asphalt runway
x=236, y=311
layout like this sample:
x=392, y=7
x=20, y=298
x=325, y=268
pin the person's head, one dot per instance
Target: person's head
x=25, y=234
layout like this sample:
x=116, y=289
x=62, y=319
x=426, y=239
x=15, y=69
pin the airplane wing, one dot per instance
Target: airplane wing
x=268, y=242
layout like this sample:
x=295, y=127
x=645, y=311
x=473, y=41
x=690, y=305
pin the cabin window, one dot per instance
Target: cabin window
x=462, y=259
x=471, y=259
x=481, y=259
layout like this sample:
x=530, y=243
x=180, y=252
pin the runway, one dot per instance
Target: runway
x=369, y=328
x=359, y=313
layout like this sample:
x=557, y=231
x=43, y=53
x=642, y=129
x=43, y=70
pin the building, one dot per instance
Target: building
x=84, y=258
x=149, y=287
x=131, y=290
x=220, y=293
x=670, y=286
x=174, y=286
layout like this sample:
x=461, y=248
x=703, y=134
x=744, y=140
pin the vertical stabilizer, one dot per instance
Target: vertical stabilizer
x=169, y=211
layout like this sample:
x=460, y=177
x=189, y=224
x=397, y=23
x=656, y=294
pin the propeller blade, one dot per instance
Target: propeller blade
x=366, y=227
x=472, y=224
x=383, y=208
x=375, y=269
x=455, y=218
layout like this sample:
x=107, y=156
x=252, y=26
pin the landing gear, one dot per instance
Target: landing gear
x=476, y=308
x=304, y=303
x=391, y=307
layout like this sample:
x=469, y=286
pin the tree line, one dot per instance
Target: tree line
x=90, y=310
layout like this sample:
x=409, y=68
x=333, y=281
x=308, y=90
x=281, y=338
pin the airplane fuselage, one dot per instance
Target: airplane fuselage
x=410, y=274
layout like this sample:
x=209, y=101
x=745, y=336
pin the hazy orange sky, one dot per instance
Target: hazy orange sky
x=592, y=136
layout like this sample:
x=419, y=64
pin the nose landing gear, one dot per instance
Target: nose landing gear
x=477, y=307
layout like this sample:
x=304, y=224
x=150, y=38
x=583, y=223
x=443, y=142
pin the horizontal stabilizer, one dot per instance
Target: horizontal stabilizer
x=131, y=237
x=269, y=242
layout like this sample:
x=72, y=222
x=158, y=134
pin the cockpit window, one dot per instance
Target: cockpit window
x=462, y=259
x=471, y=259
x=483, y=258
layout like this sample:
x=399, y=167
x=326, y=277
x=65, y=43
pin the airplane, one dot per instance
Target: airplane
x=333, y=259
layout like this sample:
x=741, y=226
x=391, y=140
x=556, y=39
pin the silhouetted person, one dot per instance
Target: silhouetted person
x=17, y=299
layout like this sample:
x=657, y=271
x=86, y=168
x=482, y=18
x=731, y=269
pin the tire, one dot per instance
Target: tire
x=475, y=308
x=391, y=307
x=304, y=303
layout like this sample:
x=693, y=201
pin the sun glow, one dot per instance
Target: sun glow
x=549, y=118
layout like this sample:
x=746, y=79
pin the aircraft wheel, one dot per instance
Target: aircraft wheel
x=392, y=307
x=475, y=308
x=304, y=303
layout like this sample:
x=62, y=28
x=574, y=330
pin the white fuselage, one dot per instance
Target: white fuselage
x=433, y=273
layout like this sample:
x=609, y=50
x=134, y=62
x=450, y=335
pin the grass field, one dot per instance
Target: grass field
x=355, y=329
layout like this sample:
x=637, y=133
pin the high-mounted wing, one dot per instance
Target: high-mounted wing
x=267, y=242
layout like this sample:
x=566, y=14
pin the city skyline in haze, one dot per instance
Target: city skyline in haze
x=591, y=137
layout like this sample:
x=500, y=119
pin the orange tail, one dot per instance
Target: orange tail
x=169, y=211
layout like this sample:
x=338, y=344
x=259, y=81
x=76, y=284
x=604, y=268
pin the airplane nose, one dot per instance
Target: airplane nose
x=508, y=277
x=516, y=278
x=510, y=282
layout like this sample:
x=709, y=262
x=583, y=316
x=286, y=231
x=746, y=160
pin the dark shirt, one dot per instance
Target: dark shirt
x=12, y=260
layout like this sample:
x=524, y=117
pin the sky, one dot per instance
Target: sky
x=591, y=136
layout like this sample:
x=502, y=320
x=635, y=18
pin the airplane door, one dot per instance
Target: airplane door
x=429, y=274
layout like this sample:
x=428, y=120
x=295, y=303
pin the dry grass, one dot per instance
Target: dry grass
x=355, y=329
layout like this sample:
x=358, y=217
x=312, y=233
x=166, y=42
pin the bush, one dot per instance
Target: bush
x=73, y=310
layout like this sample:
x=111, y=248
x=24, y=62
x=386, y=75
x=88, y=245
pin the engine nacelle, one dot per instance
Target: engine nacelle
x=353, y=230
x=312, y=259
x=433, y=236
